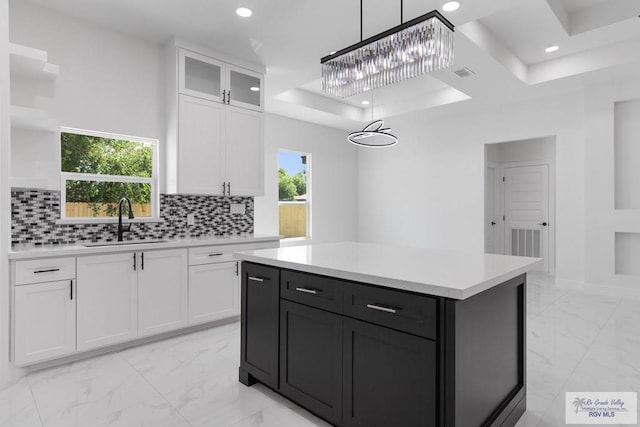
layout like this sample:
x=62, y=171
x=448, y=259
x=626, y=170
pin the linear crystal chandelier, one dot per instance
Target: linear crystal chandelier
x=422, y=45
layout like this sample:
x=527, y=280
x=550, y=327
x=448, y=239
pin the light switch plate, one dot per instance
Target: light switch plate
x=238, y=208
x=191, y=219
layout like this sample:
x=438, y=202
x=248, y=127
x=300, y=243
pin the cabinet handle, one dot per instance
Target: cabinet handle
x=381, y=308
x=307, y=291
x=224, y=188
x=224, y=94
x=50, y=270
x=134, y=262
x=229, y=188
x=229, y=97
x=236, y=268
x=257, y=279
x=71, y=289
x=216, y=254
x=142, y=260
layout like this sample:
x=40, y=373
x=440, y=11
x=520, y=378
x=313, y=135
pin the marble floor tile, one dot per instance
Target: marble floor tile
x=17, y=407
x=221, y=400
x=279, y=416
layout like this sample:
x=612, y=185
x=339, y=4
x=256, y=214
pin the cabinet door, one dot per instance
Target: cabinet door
x=162, y=291
x=246, y=88
x=214, y=291
x=107, y=299
x=200, y=146
x=244, y=152
x=311, y=359
x=389, y=377
x=201, y=76
x=260, y=314
x=45, y=321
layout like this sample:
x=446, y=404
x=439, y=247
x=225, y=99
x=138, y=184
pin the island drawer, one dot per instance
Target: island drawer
x=402, y=311
x=321, y=292
x=45, y=270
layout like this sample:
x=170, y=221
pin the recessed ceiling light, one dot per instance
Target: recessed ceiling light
x=254, y=89
x=365, y=102
x=552, y=48
x=450, y=6
x=245, y=12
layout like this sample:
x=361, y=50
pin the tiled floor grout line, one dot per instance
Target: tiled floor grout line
x=33, y=396
x=155, y=389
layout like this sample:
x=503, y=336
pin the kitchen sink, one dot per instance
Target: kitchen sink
x=135, y=242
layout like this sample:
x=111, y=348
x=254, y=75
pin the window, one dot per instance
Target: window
x=294, y=194
x=98, y=169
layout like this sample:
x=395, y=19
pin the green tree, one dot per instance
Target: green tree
x=286, y=187
x=300, y=181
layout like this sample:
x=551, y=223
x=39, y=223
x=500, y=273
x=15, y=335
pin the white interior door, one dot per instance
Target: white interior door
x=527, y=212
x=491, y=213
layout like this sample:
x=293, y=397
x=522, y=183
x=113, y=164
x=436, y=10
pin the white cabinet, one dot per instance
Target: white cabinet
x=214, y=291
x=44, y=322
x=201, y=147
x=244, y=160
x=128, y=295
x=107, y=299
x=44, y=309
x=214, y=126
x=162, y=291
x=208, y=78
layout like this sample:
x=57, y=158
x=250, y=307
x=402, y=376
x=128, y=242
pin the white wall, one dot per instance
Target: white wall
x=334, y=166
x=602, y=219
x=428, y=191
x=108, y=82
x=5, y=210
x=520, y=151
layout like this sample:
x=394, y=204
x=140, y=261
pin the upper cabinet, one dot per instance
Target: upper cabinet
x=214, y=125
x=209, y=78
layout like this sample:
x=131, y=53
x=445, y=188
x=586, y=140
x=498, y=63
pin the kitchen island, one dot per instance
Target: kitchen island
x=375, y=335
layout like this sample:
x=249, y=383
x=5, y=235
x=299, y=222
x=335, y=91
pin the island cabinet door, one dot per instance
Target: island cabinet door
x=260, y=301
x=389, y=377
x=311, y=359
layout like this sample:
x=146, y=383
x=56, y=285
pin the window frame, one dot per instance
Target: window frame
x=75, y=176
x=308, y=202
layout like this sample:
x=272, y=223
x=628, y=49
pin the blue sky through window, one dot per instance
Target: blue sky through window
x=290, y=162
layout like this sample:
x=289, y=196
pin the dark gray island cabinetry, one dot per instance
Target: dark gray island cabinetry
x=374, y=353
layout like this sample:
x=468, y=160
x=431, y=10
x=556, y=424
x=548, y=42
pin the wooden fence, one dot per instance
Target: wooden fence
x=293, y=219
x=79, y=209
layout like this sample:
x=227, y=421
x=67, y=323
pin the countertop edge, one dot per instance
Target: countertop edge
x=51, y=251
x=421, y=288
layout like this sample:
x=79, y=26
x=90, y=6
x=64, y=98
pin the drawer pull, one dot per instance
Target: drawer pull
x=381, y=308
x=50, y=270
x=256, y=279
x=307, y=291
x=216, y=254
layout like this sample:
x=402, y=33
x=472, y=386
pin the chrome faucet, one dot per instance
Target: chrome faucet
x=121, y=228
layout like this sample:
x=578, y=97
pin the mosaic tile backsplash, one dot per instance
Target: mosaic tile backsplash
x=34, y=214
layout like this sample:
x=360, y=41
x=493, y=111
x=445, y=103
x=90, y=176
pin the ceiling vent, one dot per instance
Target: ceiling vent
x=464, y=72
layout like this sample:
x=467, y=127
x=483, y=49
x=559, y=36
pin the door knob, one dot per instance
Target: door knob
x=544, y=224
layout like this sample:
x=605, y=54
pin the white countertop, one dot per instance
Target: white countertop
x=29, y=251
x=449, y=274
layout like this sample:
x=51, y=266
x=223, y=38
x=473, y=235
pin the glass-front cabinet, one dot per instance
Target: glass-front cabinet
x=208, y=78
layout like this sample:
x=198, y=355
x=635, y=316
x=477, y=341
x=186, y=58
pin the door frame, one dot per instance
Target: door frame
x=552, y=204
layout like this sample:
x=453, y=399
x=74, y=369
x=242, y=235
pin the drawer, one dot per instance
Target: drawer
x=223, y=253
x=398, y=310
x=210, y=255
x=45, y=270
x=316, y=291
